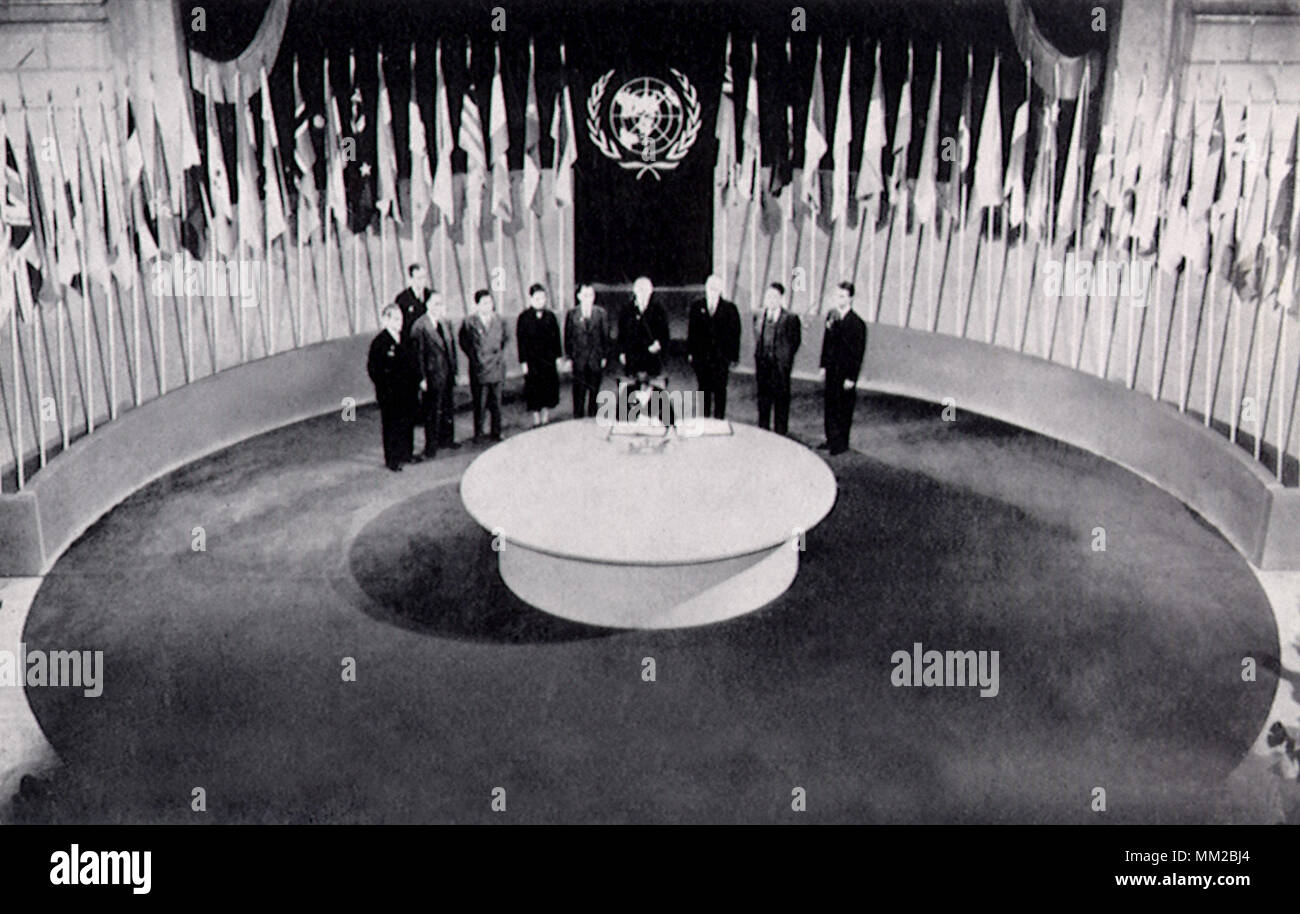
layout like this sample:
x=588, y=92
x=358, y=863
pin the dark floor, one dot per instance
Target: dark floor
x=1118, y=669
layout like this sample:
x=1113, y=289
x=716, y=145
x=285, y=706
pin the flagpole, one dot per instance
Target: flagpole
x=18, y=392
x=38, y=421
x=1281, y=391
x=136, y=295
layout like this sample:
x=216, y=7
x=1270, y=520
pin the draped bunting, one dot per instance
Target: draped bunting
x=226, y=78
x=1047, y=64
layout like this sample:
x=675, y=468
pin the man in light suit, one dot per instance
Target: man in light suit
x=843, y=347
x=435, y=348
x=777, y=334
x=484, y=337
x=713, y=345
x=586, y=345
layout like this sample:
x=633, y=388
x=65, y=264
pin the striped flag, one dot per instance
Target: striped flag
x=273, y=180
x=724, y=168
x=987, y=188
x=843, y=138
x=499, y=137
x=925, y=196
x=814, y=141
x=304, y=161
x=443, y=188
x=871, y=179
x=386, y=198
x=532, y=137
x=471, y=141
x=421, y=171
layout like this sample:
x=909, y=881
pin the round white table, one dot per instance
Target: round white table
x=647, y=532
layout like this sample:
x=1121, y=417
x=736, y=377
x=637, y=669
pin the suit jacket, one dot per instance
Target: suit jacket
x=789, y=333
x=637, y=330
x=713, y=341
x=843, y=346
x=412, y=307
x=586, y=342
x=435, y=353
x=486, y=350
x=392, y=367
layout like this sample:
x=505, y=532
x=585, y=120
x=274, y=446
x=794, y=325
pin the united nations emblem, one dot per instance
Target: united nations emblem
x=651, y=124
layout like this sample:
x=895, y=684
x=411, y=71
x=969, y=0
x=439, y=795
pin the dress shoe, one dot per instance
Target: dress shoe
x=415, y=458
x=429, y=455
x=395, y=467
x=824, y=446
x=835, y=452
x=450, y=445
x=496, y=437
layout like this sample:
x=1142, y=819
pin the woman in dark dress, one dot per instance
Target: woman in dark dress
x=538, y=333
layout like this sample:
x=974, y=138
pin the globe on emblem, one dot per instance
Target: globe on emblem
x=647, y=116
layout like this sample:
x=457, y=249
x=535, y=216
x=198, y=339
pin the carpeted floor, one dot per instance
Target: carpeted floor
x=1118, y=669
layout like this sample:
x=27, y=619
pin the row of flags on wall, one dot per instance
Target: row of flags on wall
x=1185, y=184
x=1183, y=187
x=116, y=204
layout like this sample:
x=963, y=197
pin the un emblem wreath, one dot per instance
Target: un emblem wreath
x=642, y=103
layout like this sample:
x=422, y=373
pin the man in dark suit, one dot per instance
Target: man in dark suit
x=713, y=345
x=642, y=331
x=435, y=348
x=777, y=334
x=393, y=369
x=586, y=345
x=484, y=336
x=843, y=347
x=414, y=299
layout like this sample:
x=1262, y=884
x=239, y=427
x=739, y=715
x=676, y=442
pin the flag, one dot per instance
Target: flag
x=902, y=138
x=443, y=196
x=470, y=140
x=1251, y=221
x=871, y=179
x=532, y=138
x=1101, y=186
x=115, y=224
x=1278, y=243
x=421, y=172
x=499, y=137
x=724, y=131
x=926, y=194
x=304, y=163
x=20, y=258
x=843, y=138
x=1039, y=196
x=1207, y=181
x=133, y=149
x=1013, y=187
x=386, y=201
x=1151, y=172
x=250, y=210
x=63, y=234
x=358, y=174
x=40, y=217
x=814, y=141
x=987, y=189
x=336, y=195
x=1072, y=184
x=566, y=150
x=274, y=184
x=164, y=208
x=748, y=183
x=223, y=212
x=783, y=165
x=1174, y=230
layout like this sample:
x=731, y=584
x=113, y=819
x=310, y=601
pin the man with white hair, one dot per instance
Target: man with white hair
x=713, y=345
x=642, y=331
